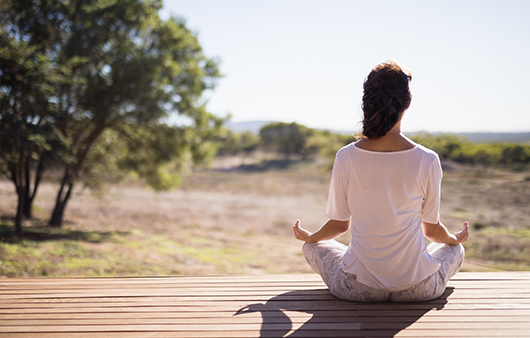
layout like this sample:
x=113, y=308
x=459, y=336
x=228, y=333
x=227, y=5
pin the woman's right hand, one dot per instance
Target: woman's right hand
x=463, y=234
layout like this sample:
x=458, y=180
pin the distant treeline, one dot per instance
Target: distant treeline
x=295, y=141
x=289, y=140
x=460, y=149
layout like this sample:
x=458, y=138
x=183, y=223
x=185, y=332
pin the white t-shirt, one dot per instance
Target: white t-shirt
x=386, y=195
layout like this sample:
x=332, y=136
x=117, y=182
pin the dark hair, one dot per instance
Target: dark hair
x=386, y=96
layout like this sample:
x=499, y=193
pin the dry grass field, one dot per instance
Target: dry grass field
x=238, y=220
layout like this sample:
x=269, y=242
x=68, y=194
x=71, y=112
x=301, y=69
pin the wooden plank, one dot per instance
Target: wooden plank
x=205, y=281
x=456, y=315
x=309, y=331
x=182, y=328
x=274, y=326
x=269, y=305
x=302, y=278
x=298, y=296
x=237, y=290
x=308, y=304
x=263, y=278
x=289, y=278
x=219, y=294
x=253, y=334
x=45, y=302
x=479, y=287
x=447, y=322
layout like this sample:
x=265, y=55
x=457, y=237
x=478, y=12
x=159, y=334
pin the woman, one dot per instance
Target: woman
x=387, y=189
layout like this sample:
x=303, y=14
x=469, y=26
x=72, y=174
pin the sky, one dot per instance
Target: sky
x=305, y=61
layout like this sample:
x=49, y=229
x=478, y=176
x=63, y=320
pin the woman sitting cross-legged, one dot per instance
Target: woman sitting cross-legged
x=386, y=188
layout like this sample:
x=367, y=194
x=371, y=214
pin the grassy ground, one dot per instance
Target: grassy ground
x=238, y=220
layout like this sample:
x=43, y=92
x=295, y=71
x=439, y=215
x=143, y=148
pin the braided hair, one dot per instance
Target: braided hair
x=386, y=96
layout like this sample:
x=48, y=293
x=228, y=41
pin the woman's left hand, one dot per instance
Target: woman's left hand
x=300, y=233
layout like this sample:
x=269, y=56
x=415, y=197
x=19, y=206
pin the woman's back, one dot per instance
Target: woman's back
x=385, y=199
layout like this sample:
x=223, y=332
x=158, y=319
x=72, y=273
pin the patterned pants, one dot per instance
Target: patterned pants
x=325, y=257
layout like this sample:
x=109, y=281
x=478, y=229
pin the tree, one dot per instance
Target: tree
x=237, y=144
x=126, y=71
x=26, y=129
x=289, y=139
x=248, y=142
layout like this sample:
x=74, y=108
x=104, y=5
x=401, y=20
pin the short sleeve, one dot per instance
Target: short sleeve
x=431, y=203
x=337, y=207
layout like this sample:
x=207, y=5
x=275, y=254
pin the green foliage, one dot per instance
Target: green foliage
x=460, y=150
x=248, y=142
x=231, y=143
x=83, y=82
x=444, y=145
x=297, y=140
x=289, y=139
x=27, y=132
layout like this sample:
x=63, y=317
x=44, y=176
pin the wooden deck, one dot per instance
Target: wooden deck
x=474, y=305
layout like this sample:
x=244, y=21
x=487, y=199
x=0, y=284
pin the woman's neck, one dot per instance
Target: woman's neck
x=393, y=140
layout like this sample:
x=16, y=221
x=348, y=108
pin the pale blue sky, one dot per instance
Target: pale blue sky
x=305, y=61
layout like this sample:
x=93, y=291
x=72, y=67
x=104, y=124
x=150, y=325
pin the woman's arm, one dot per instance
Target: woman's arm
x=438, y=233
x=330, y=230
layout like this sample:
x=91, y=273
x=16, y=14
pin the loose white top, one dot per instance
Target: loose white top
x=386, y=195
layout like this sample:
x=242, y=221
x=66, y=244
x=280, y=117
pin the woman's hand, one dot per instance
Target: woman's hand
x=438, y=233
x=330, y=230
x=463, y=234
x=300, y=233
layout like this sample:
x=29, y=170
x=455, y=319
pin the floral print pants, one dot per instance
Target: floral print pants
x=324, y=258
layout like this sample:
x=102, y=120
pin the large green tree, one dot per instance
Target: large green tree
x=109, y=68
x=25, y=133
x=289, y=139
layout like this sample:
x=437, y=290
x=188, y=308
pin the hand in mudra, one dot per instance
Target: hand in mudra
x=463, y=234
x=300, y=233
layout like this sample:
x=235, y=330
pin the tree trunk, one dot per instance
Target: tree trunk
x=17, y=174
x=26, y=209
x=30, y=195
x=15, y=177
x=57, y=215
x=61, y=201
x=20, y=211
x=69, y=177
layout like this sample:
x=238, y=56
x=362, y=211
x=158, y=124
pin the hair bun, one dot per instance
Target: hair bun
x=386, y=96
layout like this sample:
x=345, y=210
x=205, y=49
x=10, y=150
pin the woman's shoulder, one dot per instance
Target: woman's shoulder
x=347, y=149
x=353, y=149
x=345, y=155
x=427, y=151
